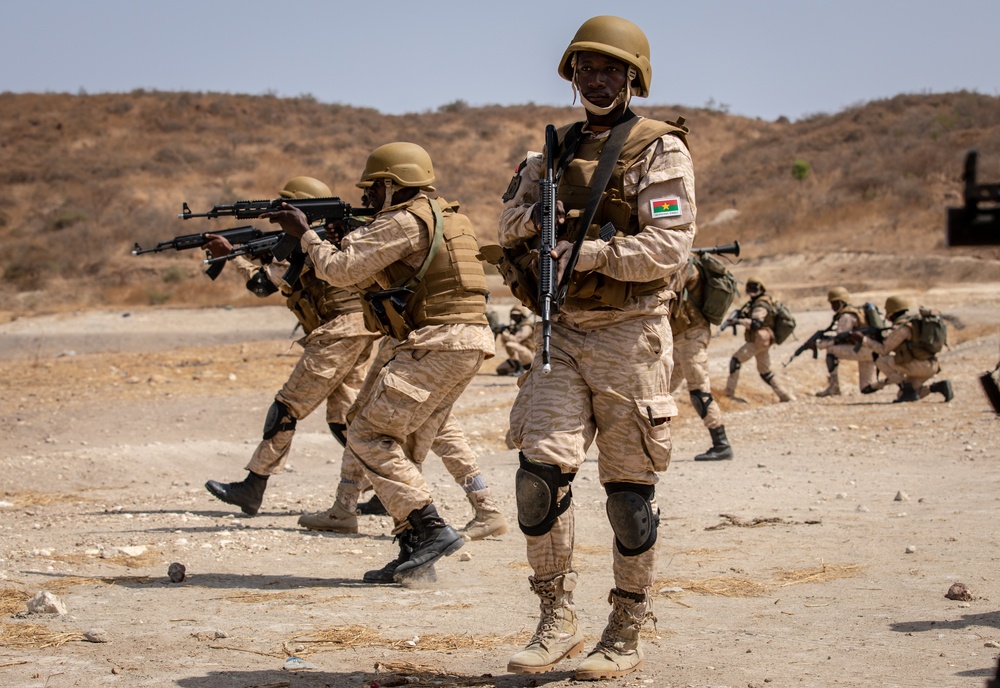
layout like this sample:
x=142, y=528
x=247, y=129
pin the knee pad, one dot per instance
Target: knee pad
x=278, y=420
x=734, y=365
x=630, y=511
x=339, y=431
x=701, y=401
x=831, y=363
x=536, y=490
x=767, y=377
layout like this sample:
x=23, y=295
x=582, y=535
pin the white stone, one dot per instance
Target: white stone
x=46, y=603
x=135, y=551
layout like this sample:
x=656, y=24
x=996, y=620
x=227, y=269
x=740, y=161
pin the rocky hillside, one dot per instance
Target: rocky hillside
x=85, y=177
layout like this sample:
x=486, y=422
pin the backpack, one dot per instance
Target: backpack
x=873, y=316
x=784, y=322
x=930, y=332
x=718, y=287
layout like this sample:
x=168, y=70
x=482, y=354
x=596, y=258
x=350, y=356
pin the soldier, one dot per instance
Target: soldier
x=426, y=292
x=757, y=319
x=903, y=358
x=518, y=342
x=335, y=352
x=692, y=333
x=610, y=344
x=846, y=319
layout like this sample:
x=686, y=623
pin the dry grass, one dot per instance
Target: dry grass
x=424, y=676
x=32, y=499
x=819, y=574
x=30, y=636
x=729, y=586
x=13, y=601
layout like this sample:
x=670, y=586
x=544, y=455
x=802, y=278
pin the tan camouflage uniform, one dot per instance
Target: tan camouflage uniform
x=897, y=365
x=847, y=321
x=519, y=344
x=692, y=333
x=333, y=364
x=610, y=367
x=403, y=402
x=758, y=345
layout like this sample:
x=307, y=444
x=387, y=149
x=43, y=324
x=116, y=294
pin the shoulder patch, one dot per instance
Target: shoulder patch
x=515, y=182
x=665, y=207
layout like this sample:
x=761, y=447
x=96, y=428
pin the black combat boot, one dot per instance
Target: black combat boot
x=373, y=507
x=247, y=495
x=432, y=539
x=721, y=450
x=943, y=387
x=387, y=574
x=906, y=393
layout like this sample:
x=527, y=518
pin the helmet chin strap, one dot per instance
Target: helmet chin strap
x=387, y=201
x=624, y=96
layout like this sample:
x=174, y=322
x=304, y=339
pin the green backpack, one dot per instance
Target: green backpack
x=931, y=333
x=784, y=322
x=718, y=287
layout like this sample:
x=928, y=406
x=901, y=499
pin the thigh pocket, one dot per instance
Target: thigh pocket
x=654, y=421
x=394, y=405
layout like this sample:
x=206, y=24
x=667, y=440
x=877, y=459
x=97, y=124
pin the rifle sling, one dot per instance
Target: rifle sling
x=437, y=236
x=605, y=166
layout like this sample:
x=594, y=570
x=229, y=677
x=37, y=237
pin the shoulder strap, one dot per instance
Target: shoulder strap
x=437, y=236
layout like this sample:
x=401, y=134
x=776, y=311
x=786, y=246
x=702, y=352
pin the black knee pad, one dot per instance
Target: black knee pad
x=339, y=431
x=632, y=517
x=278, y=420
x=767, y=377
x=734, y=365
x=831, y=363
x=536, y=490
x=701, y=401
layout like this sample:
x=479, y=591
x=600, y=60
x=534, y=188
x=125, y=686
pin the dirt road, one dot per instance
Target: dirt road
x=819, y=557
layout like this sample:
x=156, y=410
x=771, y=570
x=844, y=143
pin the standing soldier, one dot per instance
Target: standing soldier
x=908, y=354
x=518, y=343
x=757, y=318
x=610, y=343
x=426, y=291
x=846, y=319
x=335, y=352
x=692, y=333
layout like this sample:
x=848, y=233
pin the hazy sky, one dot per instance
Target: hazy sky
x=756, y=58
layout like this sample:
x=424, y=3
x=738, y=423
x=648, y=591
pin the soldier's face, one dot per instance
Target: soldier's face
x=375, y=194
x=600, y=77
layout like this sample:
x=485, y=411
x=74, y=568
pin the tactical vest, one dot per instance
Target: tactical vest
x=453, y=290
x=592, y=290
x=316, y=301
x=767, y=302
x=858, y=313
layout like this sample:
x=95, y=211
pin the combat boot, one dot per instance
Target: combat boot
x=432, y=539
x=247, y=495
x=943, y=387
x=783, y=396
x=557, y=636
x=618, y=653
x=874, y=387
x=906, y=394
x=487, y=520
x=387, y=574
x=721, y=450
x=373, y=507
x=832, y=388
x=337, y=519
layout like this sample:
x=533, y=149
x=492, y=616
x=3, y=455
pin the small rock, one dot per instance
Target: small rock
x=465, y=556
x=991, y=643
x=862, y=508
x=46, y=603
x=296, y=664
x=670, y=591
x=176, y=571
x=135, y=551
x=958, y=591
x=910, y=549
x=841, y=495
x=96, y=635
x=901, y=497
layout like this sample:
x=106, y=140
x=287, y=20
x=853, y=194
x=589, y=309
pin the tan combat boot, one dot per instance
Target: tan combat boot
x=832, y=387
x=618, y=652
x=783, y=396
x=337, y=519
x=557, y=636
x=487, y=520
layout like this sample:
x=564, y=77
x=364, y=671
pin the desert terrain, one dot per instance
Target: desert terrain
x=820, y=556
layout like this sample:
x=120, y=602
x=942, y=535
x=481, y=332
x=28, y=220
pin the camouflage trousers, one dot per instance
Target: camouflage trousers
x=330, y=369
x=515, y=350
x=864, y=357
x=914, y=372
x=611, y=385
x=759, y=348
x=399, y=413
x=691, y=364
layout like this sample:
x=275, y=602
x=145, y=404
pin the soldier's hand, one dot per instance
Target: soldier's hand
x=856, y=337
x=561, y=252
x=536, y=215
x=218, y=246
x=292, y=220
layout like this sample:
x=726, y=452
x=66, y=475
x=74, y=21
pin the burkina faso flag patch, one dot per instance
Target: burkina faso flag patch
x=665, y=207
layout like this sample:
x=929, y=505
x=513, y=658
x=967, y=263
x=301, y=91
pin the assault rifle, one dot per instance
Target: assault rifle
x=330, y=210
x=547, y=265
x=810, y=344
x=977, y=223
x=237, y=236
x=730, y=321
x=730, y=249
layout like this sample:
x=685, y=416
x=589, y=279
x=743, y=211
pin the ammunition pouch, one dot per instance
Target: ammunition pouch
x=385, y=312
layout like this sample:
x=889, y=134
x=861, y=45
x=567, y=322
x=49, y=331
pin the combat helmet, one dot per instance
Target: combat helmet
x=838, y=294
x=305, y=187
x=896, y=304
x=758, y=282
x=518, y=311
x=403, y=164
x=618, y=38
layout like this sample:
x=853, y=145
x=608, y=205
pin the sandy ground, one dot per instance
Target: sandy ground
x=819, y=557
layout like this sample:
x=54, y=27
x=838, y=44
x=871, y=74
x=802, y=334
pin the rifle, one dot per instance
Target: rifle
x=328, y=210
x=547, y=265
x=730, y=321
x=731, y=249
x=238, y=236
x=810, y=344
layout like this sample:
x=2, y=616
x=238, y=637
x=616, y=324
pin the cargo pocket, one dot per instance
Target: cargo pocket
x=394, y=406
x=654, y=421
